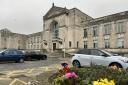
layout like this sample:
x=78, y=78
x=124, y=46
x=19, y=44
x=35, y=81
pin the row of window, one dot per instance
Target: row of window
x=34, y=39
x=119, y=43
x=70, y=44
x=120, y=27
x=34, y=47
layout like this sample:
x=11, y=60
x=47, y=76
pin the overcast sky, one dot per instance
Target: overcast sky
x=26, y=16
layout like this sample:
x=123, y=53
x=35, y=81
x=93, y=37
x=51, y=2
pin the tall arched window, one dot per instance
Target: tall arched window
x=55, y=29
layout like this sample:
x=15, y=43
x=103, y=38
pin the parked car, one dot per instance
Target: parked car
x=11, y=55
x=29, y=55
x=88, y=57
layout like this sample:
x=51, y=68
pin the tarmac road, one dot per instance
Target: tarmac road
x=10, y=66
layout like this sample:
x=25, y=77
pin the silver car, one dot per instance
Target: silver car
x=87, y=57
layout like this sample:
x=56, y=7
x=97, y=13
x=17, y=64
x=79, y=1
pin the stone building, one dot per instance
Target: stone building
x=71, y=29
x=108, y=32
x=9, y=39
x=34, y=41
x=63, y=29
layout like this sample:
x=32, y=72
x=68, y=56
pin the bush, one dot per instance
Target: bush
x=89, y=74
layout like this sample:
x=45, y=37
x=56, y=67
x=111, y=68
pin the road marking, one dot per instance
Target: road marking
x=10, y=73
x=46, y=69
x=30, y=71
x=15, y=80
x=58, y=67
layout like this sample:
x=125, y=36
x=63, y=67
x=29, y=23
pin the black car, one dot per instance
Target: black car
x=29, y=55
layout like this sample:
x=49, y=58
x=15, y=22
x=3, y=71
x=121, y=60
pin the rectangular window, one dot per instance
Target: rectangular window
x=85, y=33
x=107, y=29
x=120, y=27
x=95, y=44
x=106, y=43
x=77, y=44
x=38, y=38
x=85, y=44
x=70, y=44
x=120, y=43
x=95, y=31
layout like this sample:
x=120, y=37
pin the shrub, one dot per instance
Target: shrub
x=89, y=74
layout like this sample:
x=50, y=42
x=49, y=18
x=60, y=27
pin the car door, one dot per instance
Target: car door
x=84, y=57
x=10, y=55
x=1, y=56
x=7, y=55
x=99, y=57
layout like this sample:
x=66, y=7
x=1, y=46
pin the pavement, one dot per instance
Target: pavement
x=35, y=75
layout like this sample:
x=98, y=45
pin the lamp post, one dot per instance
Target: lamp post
x=64, y=46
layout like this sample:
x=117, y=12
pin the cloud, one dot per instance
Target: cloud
x=26, y=16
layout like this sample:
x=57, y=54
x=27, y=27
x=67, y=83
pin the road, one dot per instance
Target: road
x=30, y=64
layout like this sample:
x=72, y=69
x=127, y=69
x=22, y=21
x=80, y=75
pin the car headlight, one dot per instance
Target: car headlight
x=125, y=61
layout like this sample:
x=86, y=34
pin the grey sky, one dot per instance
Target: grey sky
x=26, y=16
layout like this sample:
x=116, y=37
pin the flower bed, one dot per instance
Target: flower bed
x=95, y=75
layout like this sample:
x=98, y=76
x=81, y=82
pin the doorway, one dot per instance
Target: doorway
x=54, y=46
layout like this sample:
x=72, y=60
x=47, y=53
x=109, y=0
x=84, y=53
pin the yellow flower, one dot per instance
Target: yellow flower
x=104, y=82
x=95, y=82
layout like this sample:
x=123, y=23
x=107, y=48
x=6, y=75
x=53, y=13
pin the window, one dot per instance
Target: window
x=85, y=44
x=9, y=52
x=70, y=44
x=77, y=44
x=37, y=46
x=106, y=43
x=97, y=52
x=95, y=31
x=120, y=43
x=95, y=44
x=120, y=27
x=94, y=52
x=55, y=30
x=107, y=29
x=84, y=51
x=19, y=52
x=85, y=33
x=38, y=38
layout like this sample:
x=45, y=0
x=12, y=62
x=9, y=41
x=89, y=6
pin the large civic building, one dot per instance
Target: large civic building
x=71, y=29
x=63, y=29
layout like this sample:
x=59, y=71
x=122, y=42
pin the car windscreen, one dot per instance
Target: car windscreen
x=84, y=51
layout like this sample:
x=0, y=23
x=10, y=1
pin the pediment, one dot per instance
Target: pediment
x=55, y=11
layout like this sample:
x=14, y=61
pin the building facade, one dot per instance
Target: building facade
x=71, y=29
x=62, y=29
x=34, y=41
x=108, y=32
x=9, y=39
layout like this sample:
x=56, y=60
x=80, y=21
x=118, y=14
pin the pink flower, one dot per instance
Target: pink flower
x=70, y=75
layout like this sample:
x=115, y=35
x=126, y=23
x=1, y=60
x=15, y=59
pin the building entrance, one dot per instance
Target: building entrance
x=54, y=46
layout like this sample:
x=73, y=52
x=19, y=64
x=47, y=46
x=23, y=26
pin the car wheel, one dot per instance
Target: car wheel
x=21, y=60
x=76, y=63
x=44, y=57
x=116, y=64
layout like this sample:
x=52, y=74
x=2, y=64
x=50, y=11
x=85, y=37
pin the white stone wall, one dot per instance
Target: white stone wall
x=34, y=42
x=70, y=30
x=112, y=36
